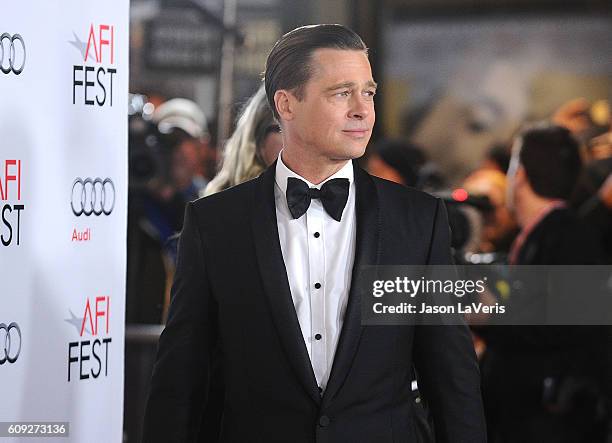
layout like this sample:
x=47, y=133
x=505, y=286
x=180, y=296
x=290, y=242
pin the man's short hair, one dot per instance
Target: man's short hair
x=289, y=64
x=551, y=158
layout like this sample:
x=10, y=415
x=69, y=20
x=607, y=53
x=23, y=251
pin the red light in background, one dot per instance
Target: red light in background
x=460, y=195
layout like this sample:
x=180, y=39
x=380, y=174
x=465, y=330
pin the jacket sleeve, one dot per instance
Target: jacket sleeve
x=180, y=382
x=447, y=369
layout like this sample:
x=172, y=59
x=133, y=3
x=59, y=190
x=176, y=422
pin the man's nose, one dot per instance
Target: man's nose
x=359, y=109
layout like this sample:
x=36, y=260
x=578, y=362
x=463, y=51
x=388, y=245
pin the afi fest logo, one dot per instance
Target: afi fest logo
x=92, y=81
x=11, y=204
x=88, y=356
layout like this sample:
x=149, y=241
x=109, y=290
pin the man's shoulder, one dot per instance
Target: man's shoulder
x=231, y=201
x=565, y=239
x=395, y=193
x=560, y=222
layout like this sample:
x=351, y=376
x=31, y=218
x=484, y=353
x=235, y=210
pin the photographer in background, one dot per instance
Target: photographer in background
x=405, y=163
x=592, y=198
x=499, y=227
x=590, y=123
x=396, y=160
x=169, y=156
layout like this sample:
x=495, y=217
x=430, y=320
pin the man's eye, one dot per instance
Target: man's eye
x=343, y=93
x=370, y=93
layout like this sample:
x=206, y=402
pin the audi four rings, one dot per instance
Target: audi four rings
x=9, y=352
x=8, y=54
x=92, y=196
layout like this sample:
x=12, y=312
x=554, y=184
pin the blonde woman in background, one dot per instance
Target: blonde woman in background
x=252, y=147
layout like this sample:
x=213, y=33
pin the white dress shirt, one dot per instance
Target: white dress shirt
x=319, y=253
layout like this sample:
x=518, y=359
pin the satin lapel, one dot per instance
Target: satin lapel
x=367, y=252
x=274, y=278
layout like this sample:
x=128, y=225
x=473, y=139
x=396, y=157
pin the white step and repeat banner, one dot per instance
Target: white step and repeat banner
x=63, y=212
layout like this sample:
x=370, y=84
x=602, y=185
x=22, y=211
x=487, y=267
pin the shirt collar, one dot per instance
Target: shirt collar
x=283, y=173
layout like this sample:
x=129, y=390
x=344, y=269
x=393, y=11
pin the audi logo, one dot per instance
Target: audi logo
x=9, y=336
x=92, y=196
x=9, y=55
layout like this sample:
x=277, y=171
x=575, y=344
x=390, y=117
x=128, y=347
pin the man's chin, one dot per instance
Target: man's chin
x=345, y=158
x=358, y=151
x=350, y=153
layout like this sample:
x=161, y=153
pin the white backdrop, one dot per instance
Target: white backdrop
x=63, y=155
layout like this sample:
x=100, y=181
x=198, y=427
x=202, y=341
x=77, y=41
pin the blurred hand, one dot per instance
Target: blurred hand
x=601, y=146
x=605, y=192
x=573, y=115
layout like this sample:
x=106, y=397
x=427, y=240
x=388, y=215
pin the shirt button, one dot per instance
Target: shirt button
x=317, y=285
x=317, y=235
x=320, y=389
x=318, y=336
x=323, y=421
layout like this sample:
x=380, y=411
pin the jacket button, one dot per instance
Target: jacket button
x=323, y=421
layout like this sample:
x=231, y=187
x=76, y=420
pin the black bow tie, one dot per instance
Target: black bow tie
x=333, y=195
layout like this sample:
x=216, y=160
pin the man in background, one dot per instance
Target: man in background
x=546, y=383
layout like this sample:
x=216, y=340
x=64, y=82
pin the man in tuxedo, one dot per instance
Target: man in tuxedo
x=262, y=300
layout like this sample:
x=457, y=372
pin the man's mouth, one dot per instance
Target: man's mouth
x=356, y=133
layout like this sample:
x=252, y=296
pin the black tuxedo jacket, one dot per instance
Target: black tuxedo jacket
x=232, y=315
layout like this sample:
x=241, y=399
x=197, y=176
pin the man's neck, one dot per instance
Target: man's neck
x=531, y=208
x=313, y=169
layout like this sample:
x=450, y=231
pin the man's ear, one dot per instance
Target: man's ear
x=284, y=102
x=521, y=176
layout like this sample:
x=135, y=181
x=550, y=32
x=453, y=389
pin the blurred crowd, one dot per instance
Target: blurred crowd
x=543, y=197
